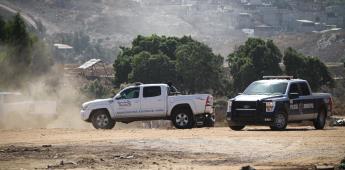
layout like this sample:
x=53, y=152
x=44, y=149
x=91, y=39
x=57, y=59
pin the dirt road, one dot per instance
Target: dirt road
x=203, y=148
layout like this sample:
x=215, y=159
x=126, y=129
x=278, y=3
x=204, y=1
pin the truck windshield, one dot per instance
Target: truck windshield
x=266, y=88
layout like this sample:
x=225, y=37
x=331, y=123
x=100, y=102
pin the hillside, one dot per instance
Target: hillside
x=117, y=23
x=329, y=46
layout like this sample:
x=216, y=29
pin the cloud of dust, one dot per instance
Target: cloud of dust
x=119, y=21
x=50, y=101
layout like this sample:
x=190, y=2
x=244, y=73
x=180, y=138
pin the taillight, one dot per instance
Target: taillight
x=209, y=101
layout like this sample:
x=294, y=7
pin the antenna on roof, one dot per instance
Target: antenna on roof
x=278, y=77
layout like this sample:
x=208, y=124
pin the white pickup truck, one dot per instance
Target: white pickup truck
x=150, y=102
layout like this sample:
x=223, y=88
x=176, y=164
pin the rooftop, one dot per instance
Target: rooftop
x=304, y=21
x=90, y=63
x=62, y=46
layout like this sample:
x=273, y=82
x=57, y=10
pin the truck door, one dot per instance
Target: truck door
x=296, y=106
x=128, y=103
x=153, y=103
x=307, y=101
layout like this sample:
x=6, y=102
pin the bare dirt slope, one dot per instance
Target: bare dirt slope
x=328, y=46
x=204, y=148
x=116, y=23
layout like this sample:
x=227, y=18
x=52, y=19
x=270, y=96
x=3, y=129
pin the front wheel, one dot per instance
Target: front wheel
x=102, y=120
x=182, y=119
x=320, y=121
x=279, y=122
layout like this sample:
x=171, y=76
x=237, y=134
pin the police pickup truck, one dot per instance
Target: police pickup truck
x=150, y=102
x=277, y=100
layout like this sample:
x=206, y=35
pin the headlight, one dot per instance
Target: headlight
x=270, y=106
x=84, y=106
x=229, y=105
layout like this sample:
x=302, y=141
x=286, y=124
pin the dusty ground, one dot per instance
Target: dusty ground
x=203, y=148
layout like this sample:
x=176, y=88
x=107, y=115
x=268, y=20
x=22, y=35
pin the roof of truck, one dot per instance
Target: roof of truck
x=147, y=85
x=282, y=80
x=160, y=84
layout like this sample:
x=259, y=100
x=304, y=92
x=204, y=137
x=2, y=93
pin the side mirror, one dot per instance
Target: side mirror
x=117, y=96
x=293, y=95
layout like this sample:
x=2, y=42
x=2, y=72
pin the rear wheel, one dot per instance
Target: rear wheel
x=102, y=120
x=320, y=121
x=182, y=119
x=279, y=122
x=237, y=128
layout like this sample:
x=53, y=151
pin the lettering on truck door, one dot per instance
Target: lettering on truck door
x=308, y=102
x=296, y=105
x=128, y=103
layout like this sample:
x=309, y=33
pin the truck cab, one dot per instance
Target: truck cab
x=150, y=102
x=277, y=100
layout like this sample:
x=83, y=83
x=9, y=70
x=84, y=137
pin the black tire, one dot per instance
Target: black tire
x=209, y=121
x=102, y=120
x=237, y=128
x=182, y=118
x=320, y=121
x=279, y=122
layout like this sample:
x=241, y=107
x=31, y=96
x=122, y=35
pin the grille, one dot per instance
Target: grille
x=247, y=111
x=244, y=105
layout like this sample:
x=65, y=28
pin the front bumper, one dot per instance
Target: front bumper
x=85, y=114
x=205, y=118
x=263, y=118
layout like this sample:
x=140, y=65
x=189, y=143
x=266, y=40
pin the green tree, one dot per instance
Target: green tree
x=294, y=62
x=152, y=68
x=168, y=47
x=2, y=30
x=189, y=64
x=17, y=52
x=253, y=60
x=23, y=56
x=122, y=66
x=308, y=68
x=17, y=32
x=198, y=68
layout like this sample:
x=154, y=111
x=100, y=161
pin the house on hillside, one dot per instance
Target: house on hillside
x=264, y=31
x=336, y=15
x=282, y=19
x=251, y=4
x=305, y=25
x=95, y=69
x=245, y=20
